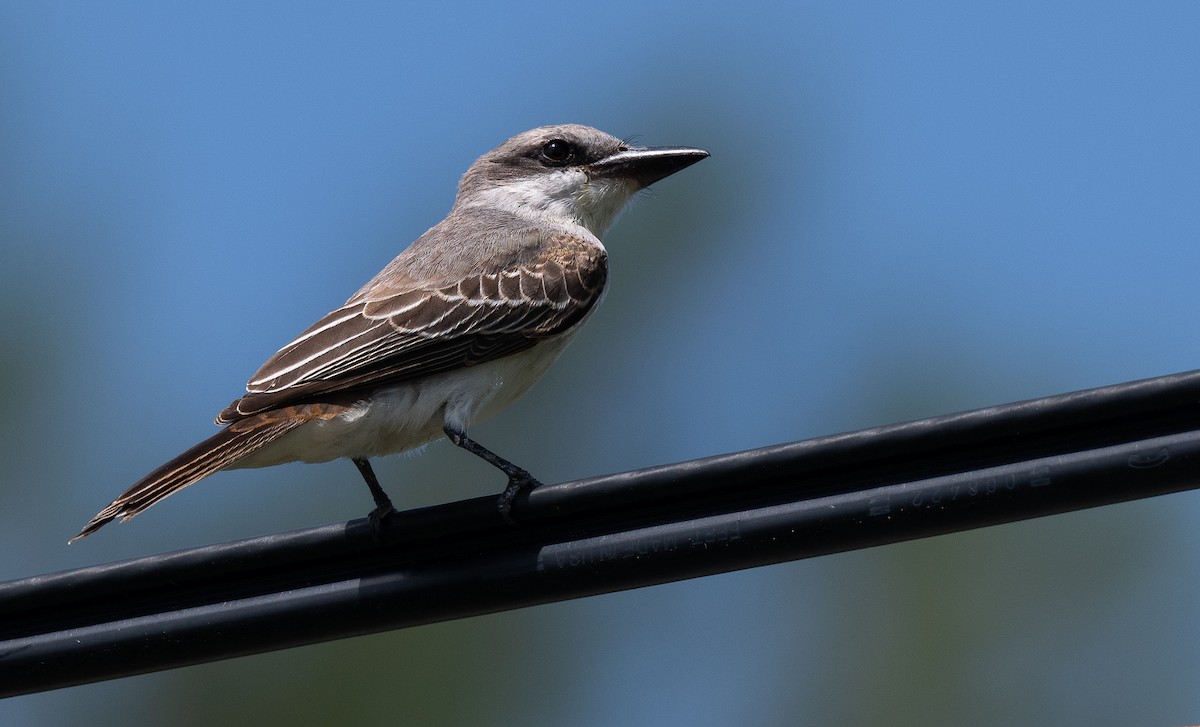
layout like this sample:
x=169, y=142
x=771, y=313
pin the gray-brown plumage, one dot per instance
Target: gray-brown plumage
x=407, y=330
x=459, y=325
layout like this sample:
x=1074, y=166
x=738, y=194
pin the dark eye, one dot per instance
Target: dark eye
x=557, y=151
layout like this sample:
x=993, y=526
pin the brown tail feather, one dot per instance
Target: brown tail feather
x=215, y=453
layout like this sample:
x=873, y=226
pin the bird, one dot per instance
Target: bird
x=458, y=326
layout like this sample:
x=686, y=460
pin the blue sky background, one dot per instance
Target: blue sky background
x=910, y=209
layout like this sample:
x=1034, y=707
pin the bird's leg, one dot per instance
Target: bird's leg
x=518, y=479
x=383, y=504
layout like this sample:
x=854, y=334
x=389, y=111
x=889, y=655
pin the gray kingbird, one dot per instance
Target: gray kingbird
x=458, y=326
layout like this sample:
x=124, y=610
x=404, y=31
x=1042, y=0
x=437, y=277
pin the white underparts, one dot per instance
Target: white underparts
x=405, y=416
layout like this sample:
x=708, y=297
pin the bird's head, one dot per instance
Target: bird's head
x=568, y=174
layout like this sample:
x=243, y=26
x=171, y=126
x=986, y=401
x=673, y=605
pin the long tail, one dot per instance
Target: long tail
x=215, y=453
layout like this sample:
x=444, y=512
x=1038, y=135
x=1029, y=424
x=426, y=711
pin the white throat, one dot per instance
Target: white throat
x=566, y=197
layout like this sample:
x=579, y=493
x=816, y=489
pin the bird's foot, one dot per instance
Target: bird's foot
x=518, y=481
x=376, y=518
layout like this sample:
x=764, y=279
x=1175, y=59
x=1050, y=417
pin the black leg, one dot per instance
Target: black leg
x=383, y=504
x=518, y=479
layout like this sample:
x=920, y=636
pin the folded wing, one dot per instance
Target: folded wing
x=392, y=333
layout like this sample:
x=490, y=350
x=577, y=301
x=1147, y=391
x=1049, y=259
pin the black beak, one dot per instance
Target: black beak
x=646, y=165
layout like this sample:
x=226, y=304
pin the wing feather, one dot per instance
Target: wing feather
x=391, y=333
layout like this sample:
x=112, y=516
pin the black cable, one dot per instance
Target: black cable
x=603, y=534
